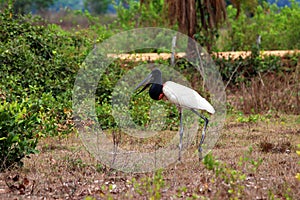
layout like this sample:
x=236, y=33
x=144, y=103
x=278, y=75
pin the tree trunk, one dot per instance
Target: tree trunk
x=183, y=12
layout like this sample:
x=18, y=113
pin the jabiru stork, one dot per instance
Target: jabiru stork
x=181, y=96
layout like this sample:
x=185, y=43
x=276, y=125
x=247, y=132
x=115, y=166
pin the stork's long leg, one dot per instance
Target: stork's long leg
x=203, y=132
x=180, y=134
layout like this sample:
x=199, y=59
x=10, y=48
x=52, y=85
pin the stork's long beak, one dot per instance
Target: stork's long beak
x=145, y=82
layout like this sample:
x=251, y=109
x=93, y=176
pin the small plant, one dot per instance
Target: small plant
x=89, y=198
x=298, y=152
x=248, y=163
x=211, y=163
x=248, y=119
x=181, y=191
x=233, y=178
x=151, y=187
x=100, y=168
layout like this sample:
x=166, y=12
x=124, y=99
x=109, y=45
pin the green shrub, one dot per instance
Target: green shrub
x=151, y=14
x=278, y=28
x=39, y=62
x=20, y=125
x=38, y=68
x=24, y=122
x=36, y=59
x=243, y=69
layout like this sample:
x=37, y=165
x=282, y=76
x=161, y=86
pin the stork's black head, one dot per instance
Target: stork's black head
x=155, y=80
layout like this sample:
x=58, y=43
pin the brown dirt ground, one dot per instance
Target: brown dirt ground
x=65, y=170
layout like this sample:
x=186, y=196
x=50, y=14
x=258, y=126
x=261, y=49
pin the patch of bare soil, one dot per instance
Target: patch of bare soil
x=249, y=161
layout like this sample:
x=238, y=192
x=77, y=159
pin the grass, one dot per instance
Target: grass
x=251, y=160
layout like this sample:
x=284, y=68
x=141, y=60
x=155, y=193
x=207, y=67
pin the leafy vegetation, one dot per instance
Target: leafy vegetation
x=39, y=64
x=38, y=6
x=255, y=79
x=233, y=178
x=277, y=27
x=150, y=187
x=136, y=15
x=19, y=126
x=298, y=153
x=27, y=6
x=97, y=7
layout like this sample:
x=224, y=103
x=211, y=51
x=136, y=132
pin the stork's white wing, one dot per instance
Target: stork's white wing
x=186, y=97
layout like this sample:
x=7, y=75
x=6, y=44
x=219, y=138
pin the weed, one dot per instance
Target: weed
x=100, y=167
x=298, y=153
x=151, y=187
x=180, y=191
x=233, y=179
x=89, y=198
x=248, y=163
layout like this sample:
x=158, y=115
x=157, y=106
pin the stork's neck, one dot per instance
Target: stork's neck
x=155, y=90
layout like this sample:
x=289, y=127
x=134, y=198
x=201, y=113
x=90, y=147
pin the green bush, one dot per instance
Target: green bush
x=151, y=14
x=38, y=68
x=36, y=59
x=278, y=28
x=24, y=122
x=20, y=125
x=243, y=69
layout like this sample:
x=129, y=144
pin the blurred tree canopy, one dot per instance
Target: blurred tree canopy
x=27, y=6
x=96, y=6
x=34, y=6
x=71, y=4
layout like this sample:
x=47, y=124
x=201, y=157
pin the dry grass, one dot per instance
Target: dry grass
x=253, y=159
x=267, y=92
x=65, y=170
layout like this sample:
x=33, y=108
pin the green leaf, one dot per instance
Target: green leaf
x=15, y=138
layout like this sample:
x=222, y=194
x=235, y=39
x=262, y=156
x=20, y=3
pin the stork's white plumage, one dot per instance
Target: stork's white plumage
x=185, y=97
x=181, y=96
